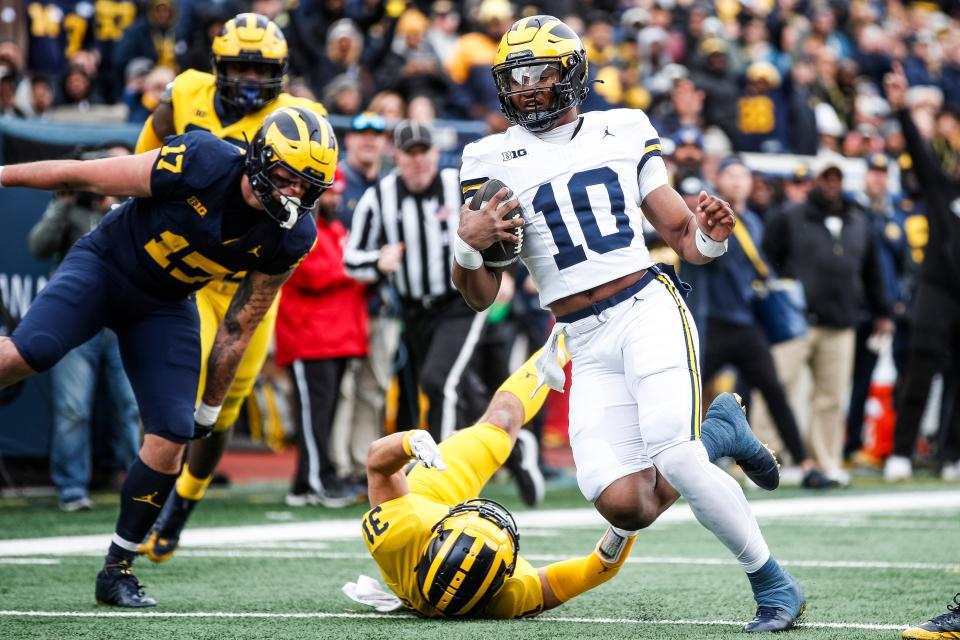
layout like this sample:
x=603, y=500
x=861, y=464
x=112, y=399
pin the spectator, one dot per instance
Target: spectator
x=110, y=21
x=412, y=67
x=151, y=37
x=474, y=95
x=762, y=111
x=887, y=223
x=688, y=155
x=41, y=97
x=733, y=335
x=321, y=324
x=8, y=95
x=74, y=379
x=796, y=188
x=360, y=411
x=714, y=77
x=826, y=244
x=683, y=110
x=342, y=95
x=195, y=52
x=444, y=24
x=935, y=330
x=76, y=102
x=49, y=50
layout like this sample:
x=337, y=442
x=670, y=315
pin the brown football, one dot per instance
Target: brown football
x=500, y=254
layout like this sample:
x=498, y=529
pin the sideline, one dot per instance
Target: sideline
x=546, y=519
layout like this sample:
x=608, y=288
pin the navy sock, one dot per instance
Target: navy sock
x=141, y=498
x=766, y=581
x=715, y=440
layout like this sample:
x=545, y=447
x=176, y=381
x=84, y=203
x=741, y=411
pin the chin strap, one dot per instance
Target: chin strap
x=292, y=206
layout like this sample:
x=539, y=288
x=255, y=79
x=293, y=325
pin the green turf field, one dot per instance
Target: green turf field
x=872, y=559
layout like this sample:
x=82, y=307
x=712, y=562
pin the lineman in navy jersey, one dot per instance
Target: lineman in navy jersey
x=583, y=184
x=201, y=210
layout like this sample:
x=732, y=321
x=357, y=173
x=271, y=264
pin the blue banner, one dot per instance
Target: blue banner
x=25, y=423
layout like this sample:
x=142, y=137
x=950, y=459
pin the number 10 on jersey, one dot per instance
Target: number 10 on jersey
x=569, y=254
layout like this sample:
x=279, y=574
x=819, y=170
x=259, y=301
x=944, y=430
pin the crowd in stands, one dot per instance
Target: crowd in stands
x=717, y=78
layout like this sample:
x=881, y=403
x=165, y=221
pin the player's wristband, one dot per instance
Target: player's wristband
x=207, y=415
x=1, y=176
x=465, y=255
x=708, y=247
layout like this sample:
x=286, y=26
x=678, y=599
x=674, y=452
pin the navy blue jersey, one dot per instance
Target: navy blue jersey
x=196, y=227
x=57, y=29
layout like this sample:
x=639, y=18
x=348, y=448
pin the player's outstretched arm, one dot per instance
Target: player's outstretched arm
x=122, y=176
x=699, y=236
x=387, y=457
x=247, y=308
x=567, y=579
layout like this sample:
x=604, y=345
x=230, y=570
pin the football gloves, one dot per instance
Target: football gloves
x=419, y=444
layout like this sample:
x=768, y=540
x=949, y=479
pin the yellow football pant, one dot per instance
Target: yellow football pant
x=212, y=303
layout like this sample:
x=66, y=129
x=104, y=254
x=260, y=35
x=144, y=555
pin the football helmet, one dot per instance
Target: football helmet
x=534, y=51
x=303, y=143
x=249, y=38
x=472, y=551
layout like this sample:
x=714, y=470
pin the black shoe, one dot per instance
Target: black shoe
x=522, y=463
x=815, y=479
x=946, y=625
x=336, y=495
x=117, y=586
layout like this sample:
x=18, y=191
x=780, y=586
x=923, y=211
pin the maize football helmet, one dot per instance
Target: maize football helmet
x=249, y=38
x=472, y=552
x=534, y=51
x=303, y=143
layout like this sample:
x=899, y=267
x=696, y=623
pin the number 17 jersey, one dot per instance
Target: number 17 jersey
x=580, y=199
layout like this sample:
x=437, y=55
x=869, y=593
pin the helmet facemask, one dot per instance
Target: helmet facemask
x=288, y=209
x=526, y=77
x=248, y=95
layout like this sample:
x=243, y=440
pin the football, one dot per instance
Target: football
x=500, y=254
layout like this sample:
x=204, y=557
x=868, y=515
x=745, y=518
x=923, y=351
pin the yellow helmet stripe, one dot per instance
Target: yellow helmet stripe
x=439, y=558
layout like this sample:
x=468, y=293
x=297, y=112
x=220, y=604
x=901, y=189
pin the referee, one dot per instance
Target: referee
x=403, y=228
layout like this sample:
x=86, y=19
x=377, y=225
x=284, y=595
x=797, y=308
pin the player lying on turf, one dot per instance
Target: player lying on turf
x=445, y=552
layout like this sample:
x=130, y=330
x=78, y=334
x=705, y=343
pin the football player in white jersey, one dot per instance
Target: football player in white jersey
x=583, y=181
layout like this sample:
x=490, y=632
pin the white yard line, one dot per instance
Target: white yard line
x=397, y=617
x=279, y=553
x=832, y=505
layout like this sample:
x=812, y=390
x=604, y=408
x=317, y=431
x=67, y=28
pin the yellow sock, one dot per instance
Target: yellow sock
x=570, y=578
x=523, y=381
x=190, y=486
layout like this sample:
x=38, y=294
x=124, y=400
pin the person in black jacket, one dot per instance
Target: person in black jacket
x=935, y=336
x=828, y=245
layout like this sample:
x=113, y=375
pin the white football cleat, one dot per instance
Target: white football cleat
x=950, y=471
x=897, y=468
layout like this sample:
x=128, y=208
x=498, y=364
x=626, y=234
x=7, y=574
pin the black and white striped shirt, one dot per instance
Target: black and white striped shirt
x=424, y=222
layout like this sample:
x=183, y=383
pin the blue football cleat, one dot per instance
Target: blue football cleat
x=755, y=458
x=117, y=586
x=164, y=536
x=780, y=609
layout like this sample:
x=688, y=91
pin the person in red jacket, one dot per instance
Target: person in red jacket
x=322, y=322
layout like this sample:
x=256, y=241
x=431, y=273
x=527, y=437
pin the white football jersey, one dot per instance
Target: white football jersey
x=581, y=199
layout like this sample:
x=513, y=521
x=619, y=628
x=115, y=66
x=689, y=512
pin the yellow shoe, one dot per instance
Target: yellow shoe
x=158, y=549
